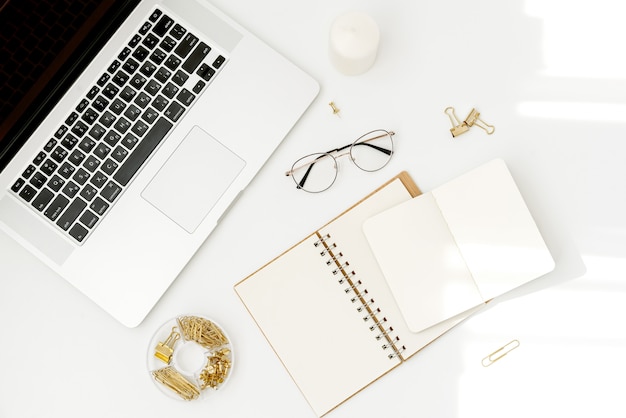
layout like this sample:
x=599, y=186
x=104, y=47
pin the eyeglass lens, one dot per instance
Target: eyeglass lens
x=372, y=151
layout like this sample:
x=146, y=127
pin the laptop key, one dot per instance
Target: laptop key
x=150, y=41
x=50, y=145
x=143, y=150
x=100, y=103
x=172, y=62
x=206, y=72
x=56, y=183
x=147, y=69
x=60, y=132
x=103, y=79
x=124, y=54
x=130, y=66
x=99, y=206
x=158, y=56
x=29, y=171
x=39, y=158
x=71, y=189
x=110, y=91
x=111, y=191
x=114, y=66
x=141, y=53
x=219, y=61
x=48, y=167
x=82, y=105
x=178, y=31
x=88, y=192
x=185, y=97
x=155, y=15
x=196, y=57
x=81, y=176
x=120, y=78
x=109, y=166
x=98, y=180
x=78, y=232
x=160, y=103
x=59, y=154
x=66, y=170
x=145, y=28
x=128, y=94
x=186, y=45
x=76, y=157
x=93, y=92
x=79, y=129
x=180, y=77
x=71, y=214
x=112, y=138
x=197, y=88
x=28, y=193
x=89, y=219
x=97, y=131
x=38, y=180
x=71, y=118
x=43, y=198
x=174, y=111
x=119, y=154
x=69, y=141
x=134, y=41
x=168, y=44
x=163, y=25
x=56, y=207
x=18, y=185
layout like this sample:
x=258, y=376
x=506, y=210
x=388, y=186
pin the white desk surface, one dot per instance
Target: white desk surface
x=550, y=75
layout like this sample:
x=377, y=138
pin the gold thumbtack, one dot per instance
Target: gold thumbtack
x=164, y=350
x=474, y=119
x=334, y=107
x=458, y=127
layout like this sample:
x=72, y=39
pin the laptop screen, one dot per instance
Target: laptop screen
x=45, y=45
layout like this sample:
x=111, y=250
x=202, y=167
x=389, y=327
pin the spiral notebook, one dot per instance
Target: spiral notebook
x=326, y=308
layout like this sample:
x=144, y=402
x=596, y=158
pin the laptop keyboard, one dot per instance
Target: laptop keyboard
x=75, y=179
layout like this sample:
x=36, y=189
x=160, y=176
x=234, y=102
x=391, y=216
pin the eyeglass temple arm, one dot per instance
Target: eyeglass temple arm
x=300, y=185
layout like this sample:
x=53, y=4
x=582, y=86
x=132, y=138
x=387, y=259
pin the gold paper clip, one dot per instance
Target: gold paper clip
x=458, y=127
x=164, y=350
x=474, y=119
x=500, y=352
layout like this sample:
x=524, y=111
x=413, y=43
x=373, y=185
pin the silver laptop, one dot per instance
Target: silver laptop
x=128, y=130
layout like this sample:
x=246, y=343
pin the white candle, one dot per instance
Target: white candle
x=353, y=43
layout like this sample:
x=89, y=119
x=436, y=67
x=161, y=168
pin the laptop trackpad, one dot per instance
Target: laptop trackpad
x=193, y=179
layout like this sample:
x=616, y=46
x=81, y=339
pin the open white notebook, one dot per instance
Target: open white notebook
x=458, y=246
x=341, y=309
x=326, y=310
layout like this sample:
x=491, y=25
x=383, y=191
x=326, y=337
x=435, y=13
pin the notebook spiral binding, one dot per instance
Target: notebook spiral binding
x=364, y=303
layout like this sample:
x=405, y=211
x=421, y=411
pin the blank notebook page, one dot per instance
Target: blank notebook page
x=308, y=319
x=458, y=246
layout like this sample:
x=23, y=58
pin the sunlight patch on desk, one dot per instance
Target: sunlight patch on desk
x=572, y=339
x=575, y=37
x=576, y=111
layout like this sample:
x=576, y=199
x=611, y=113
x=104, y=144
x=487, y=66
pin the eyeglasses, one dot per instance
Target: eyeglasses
x=315, y=173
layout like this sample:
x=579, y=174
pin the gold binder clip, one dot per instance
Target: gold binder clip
x=499, y=353
x=474, y=119
x=164, y=350
x=458, y=127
